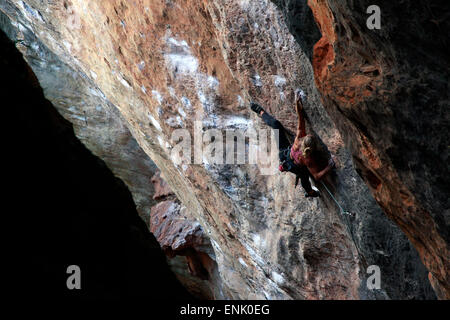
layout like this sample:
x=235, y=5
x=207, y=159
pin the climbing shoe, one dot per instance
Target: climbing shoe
x=256, y=108
x=313, y=194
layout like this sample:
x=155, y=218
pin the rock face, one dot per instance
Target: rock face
x=162, y=189
x=387, y=91
x=158, y=66
x=180, y=235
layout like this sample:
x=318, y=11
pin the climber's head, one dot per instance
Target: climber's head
x=308, y=145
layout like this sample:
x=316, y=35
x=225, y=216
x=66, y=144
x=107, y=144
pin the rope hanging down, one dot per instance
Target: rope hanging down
x=334, y=199
x=345, y=215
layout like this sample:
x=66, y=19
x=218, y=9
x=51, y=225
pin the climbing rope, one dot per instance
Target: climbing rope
x=345, y=215
x=343, y=212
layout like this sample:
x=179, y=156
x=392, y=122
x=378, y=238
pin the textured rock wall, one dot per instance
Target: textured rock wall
x=160, y=65
x=387, y=91
x=185, y=243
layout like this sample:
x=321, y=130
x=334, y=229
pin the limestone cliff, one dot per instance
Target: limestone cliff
x=127, y=74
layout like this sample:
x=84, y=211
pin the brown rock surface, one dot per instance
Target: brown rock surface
x=189, y=251
x=387, y=91
x=162, y=65
x=181, y=236
x=162, y=189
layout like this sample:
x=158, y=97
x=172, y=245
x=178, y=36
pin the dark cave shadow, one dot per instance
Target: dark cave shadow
x=301, y=23
x=70, y=208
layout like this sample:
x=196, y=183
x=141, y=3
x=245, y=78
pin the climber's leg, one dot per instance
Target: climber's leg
x=283, y=142
x=304, y=177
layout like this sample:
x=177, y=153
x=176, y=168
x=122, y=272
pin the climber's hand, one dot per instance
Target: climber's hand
x=298, y=98
x=298, y=103
x=331, y=162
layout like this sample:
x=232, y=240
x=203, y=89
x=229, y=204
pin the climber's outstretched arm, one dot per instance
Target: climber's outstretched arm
x=301, y=129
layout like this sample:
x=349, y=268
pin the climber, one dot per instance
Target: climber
x=305, y=156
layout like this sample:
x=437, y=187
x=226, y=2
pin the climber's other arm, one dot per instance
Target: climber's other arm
x=301, y=129
x=320, y=174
